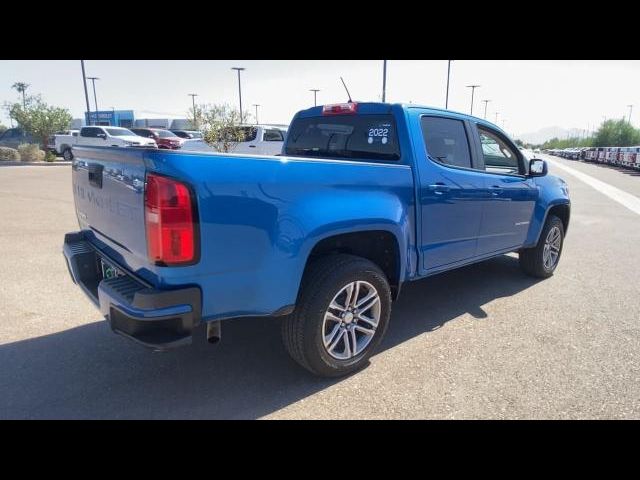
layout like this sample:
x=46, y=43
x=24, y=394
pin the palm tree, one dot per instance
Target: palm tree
x=21, y=87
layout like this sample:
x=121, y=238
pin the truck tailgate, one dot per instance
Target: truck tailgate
x=108, y=190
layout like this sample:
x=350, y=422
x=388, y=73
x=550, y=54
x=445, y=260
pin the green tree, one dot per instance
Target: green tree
x=41, y=120
x=221, y=127
x=616, y=133
x=3, y=128
x=195, y=117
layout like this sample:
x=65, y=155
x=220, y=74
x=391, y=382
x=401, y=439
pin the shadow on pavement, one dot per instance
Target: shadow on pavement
x=88, y=372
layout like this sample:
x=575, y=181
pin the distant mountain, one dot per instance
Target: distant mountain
x=548, y=133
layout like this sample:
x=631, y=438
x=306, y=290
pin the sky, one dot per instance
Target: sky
x=527, y=94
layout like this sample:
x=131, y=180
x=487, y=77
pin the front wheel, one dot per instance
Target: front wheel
x=341, y=316
x=67, y=154
x=542, y=260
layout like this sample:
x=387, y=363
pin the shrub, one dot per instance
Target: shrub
x=30, y=152
x=10, y=154
x=50, y=157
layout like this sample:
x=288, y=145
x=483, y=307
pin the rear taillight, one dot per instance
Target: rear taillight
x=340, y=109
x=169, y=220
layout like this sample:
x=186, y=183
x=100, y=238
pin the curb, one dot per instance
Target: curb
x=4, y=163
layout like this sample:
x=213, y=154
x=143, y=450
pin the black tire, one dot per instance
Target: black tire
x=302, y=331
x=67, y=154
x=532, y=259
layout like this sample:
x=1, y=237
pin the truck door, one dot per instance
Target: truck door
x=511, y=196
x=451, y=193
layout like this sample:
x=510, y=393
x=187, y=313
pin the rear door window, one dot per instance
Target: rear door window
x=273, y=135
x=366, y=137
x=446, y=141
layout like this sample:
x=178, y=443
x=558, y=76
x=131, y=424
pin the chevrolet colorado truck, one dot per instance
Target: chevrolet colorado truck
x=363, y=198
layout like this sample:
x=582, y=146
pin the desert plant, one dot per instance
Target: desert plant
x=221, y=127
x=50, y=157
x=9, y=154
x=30, y=152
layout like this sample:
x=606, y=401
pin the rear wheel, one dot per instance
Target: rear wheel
x=67, y=154
x=341, y=316
x=542, y=260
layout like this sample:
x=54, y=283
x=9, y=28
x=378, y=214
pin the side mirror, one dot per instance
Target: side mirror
x=537, y=167
x=102, y=136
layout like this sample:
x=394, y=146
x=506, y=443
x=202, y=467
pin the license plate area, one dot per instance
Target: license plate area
x=108, y=270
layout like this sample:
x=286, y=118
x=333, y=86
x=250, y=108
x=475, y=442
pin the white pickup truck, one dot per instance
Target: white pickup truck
x=101, y=137
x=259, y=140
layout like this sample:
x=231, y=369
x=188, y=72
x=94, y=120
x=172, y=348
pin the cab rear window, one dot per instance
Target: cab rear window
x=363, y=137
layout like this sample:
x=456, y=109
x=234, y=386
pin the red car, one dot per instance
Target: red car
x=163, y=138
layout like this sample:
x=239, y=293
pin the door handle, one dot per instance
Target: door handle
x=439, y=188
x=252, y=146
x=496, y=190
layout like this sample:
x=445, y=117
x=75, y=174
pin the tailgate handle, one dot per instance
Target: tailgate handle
x=95, y=175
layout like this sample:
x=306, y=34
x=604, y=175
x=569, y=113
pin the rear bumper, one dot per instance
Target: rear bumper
x=158, y=319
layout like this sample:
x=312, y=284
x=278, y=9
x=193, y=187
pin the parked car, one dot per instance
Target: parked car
x=163, y=138
x=12, y=137
x=187, y=134
x=98, y=136
x=365, y=197
x=258, y=140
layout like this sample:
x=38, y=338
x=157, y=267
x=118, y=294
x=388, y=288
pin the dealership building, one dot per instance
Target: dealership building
x=131, y=118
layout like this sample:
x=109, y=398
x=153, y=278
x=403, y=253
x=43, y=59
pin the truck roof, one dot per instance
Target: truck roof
x=381, y=108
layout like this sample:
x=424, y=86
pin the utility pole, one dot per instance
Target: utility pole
x=473, y=89
x=630, y=109
x=95, y=99
x=446, y=101
x=195, y=115
x=86, y=94
x=315, y=96
x=256, y=105
x=384, y=81
x=486, y=102
x=239, y=69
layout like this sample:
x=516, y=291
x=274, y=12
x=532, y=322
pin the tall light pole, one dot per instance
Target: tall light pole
x=256, y=105
x=384, y=81
x=446, y=101
x=486, y=102
x=86, y=94
x=630, y=109
x=473, y=89
x=239, y=69
x=496, y=122
x=193, y=103
x=315, y=96
x=95, y=99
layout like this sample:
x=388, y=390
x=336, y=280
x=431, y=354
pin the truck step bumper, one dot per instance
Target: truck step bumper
x=158, y=319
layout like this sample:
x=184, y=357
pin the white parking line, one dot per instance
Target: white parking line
x=623, y=198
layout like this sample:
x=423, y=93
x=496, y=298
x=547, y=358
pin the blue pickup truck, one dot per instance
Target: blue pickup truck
x=363, y=198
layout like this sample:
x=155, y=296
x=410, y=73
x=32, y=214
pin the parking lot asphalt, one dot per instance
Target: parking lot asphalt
x=483, y=341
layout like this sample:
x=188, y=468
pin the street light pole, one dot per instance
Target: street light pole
x=496, y=122
x=630, y=109
x=256, y=105
x=193, y=103
x=446, y=102
x=95, y=99
x=239, y=69
x=384, y=81
x=486, y=102
x=473, y=89
x=315, y=98
x=86, y=94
